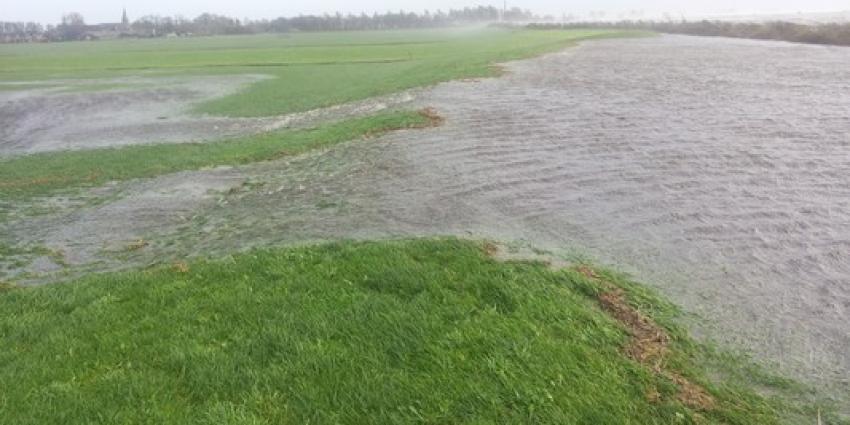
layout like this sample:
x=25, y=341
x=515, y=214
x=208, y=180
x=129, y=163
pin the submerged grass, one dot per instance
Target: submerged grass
x=421, y=331
x=43, y=174
x=308, y=71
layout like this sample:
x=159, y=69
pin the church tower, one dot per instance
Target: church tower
x=124, y=21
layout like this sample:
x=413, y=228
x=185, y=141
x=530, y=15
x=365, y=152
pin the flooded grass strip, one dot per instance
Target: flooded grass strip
x=307, y=71
x=424, y=331
x=43, y=174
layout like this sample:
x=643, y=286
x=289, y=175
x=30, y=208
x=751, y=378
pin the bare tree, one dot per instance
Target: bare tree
x=73, y=26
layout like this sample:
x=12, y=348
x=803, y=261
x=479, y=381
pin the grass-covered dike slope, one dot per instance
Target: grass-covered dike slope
x=417, y=331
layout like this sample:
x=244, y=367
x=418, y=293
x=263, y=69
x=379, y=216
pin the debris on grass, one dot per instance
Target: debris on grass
x=180, y=267
x=521, y=253
x=57, y=256
x=491, y=249
x=691, y=394
x=424, y=118
x=137, y=245
x=434, y=117
x=587, y=272
x=650, y=343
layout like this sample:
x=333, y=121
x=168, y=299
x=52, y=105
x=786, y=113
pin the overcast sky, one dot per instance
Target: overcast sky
x=49, y=11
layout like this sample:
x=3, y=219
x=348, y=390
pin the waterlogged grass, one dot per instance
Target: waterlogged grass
x=43, y=174
x=422, y=331
x=22, y=87
x=309, y=70
x=17, y=257
x=408, y=66
x=97, y=87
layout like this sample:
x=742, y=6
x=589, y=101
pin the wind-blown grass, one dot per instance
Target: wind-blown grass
x=423, y=331
x=46, y=173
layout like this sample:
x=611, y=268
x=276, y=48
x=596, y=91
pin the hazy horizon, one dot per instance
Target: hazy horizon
x=94, y=11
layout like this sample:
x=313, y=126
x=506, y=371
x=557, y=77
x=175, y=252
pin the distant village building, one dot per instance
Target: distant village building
x=109, y=30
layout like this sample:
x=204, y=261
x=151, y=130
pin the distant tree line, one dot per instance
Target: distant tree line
x=73, y=26
x=20, y=31
x=834, y=34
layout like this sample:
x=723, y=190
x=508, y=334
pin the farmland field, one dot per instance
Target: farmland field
x=104, y=94
x=308, y=70
x=401, y=226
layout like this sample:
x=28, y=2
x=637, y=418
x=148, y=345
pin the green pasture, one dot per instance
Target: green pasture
x=308, y=70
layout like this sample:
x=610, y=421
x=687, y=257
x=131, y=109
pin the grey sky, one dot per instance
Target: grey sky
x=49, y=11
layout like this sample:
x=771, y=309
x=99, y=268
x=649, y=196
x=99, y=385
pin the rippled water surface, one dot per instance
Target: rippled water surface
x=717, y=168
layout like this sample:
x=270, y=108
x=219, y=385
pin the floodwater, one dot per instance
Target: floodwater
x=716, y=169
x=87, y=114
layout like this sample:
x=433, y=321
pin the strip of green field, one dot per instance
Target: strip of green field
x=422, y=331
x=43, y=174
x=308, y=70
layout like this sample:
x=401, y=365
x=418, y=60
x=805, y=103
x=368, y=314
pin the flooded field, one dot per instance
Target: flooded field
x=717, y=169
x=84, y=114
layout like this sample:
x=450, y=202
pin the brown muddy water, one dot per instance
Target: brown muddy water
x=716, y=169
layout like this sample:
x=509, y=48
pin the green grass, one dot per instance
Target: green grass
x=422, y=331
x=309, y=70
x=43, y=174
x=20, y=87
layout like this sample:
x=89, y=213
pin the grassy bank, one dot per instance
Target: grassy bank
x=42, y=174
x=424, y=331
x=837, y=34
x=308, y=70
